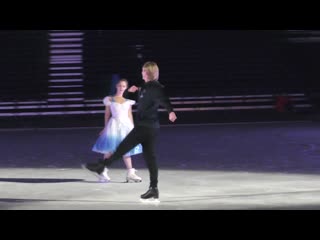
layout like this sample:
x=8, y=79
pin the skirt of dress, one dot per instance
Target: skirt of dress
x=110, y=139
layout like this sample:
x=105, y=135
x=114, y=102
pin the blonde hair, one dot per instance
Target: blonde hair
x=152, y=70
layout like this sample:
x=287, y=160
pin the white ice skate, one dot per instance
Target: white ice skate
x=104, y=177
x=132, y=176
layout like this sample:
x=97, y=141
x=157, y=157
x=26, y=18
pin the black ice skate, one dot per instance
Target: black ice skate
x=152, y=195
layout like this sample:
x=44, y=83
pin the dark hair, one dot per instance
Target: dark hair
x=123, y=80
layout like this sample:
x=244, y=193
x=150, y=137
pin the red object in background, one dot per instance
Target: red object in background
x=282, y=103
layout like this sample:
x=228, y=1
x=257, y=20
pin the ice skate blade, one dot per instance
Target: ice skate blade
x=154, y=201
x=133, y=181
x=102, y=180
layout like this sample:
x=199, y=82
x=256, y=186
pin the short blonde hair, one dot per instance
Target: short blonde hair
x=152, y=70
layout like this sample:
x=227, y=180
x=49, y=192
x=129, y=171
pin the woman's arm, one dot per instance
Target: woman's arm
x=130, y=114
x=107, y=115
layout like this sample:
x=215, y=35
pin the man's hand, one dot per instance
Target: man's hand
x=133, y=89
x=172, y=116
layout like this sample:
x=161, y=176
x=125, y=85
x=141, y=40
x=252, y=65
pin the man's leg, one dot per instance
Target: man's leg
x=149, y=154
x=131, y=140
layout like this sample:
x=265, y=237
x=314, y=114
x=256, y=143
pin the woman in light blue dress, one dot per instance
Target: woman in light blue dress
x=118, y=123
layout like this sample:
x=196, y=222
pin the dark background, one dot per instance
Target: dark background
x=193, y=63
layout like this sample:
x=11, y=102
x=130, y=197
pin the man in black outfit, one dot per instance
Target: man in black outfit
x=149, y=97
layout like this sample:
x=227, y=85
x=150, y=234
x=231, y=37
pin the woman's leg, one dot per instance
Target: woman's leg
x=131, y=174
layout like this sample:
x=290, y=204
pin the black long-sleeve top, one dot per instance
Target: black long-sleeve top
x=150, y=95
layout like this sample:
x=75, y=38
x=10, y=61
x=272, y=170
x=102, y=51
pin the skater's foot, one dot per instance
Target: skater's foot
x=104, y=177
x=152, y=195
x=132, y=176
x=95, y=168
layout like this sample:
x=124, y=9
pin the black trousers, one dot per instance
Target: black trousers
x=147, y=137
